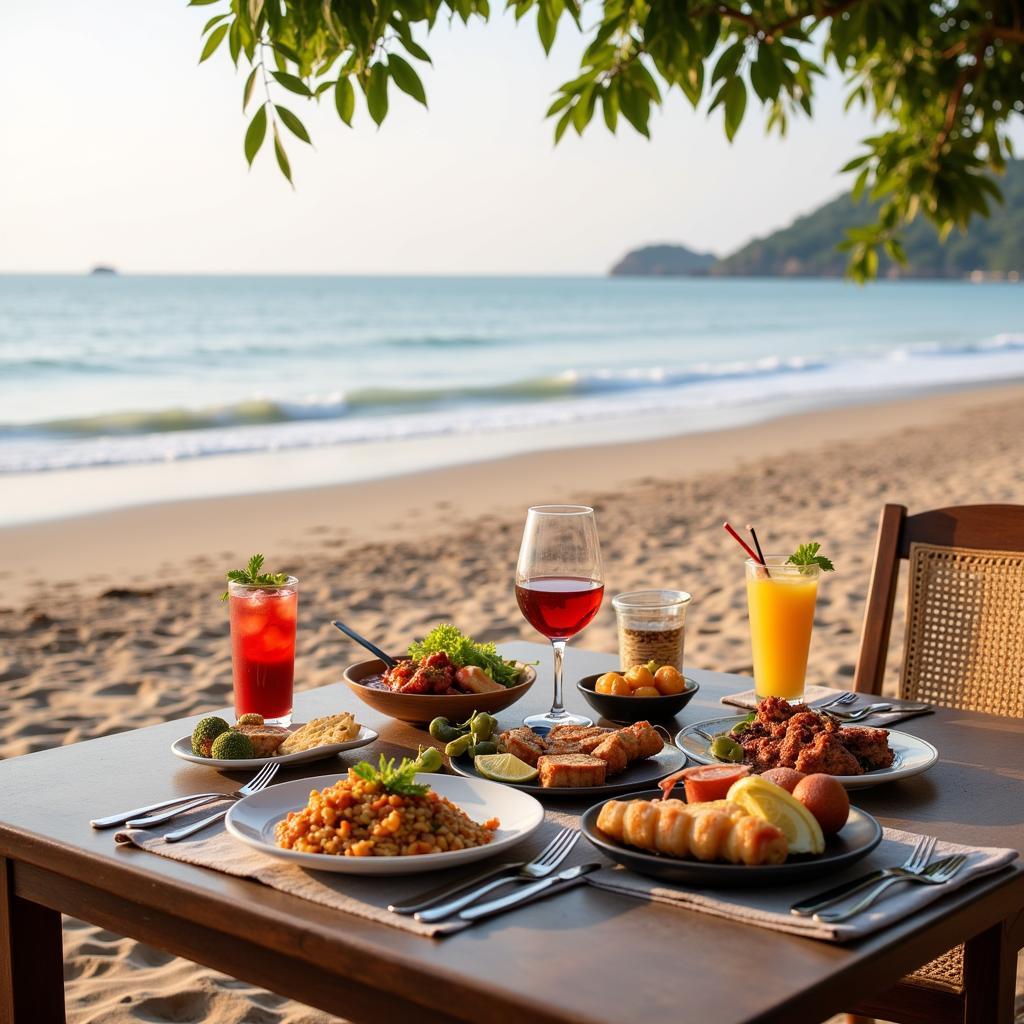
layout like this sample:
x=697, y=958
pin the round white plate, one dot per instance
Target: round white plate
x=252, y=820
x=183, y=748
x=911, y=754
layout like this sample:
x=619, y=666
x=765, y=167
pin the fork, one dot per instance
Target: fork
x=844, y=698
x=159, y=819
x=113, y=820
x=938, y=873
x=542, y=865
x=856, y=716
x=260, y=782
x=915, y=863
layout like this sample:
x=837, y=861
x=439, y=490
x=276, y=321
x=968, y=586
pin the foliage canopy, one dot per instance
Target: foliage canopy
x=943, y=79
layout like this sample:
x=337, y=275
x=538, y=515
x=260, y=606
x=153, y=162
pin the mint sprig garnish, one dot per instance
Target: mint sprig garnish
x=807, y=554
x=393, y=780
x=251, y=576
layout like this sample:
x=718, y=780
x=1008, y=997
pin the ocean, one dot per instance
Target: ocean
x=121, y=371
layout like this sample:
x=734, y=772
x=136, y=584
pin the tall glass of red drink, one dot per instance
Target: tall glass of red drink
x=559, y=586
x=263, y=648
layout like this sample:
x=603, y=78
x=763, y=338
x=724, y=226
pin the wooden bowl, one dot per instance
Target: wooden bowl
x=420, y=708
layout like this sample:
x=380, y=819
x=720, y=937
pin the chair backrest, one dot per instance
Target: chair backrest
x=964, y=644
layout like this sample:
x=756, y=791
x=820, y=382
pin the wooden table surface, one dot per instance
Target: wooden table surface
x=585, y=957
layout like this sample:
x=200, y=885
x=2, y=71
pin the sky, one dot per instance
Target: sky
x=117, y=148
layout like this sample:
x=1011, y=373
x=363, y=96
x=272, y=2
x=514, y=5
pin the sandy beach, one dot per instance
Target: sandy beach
x=110, y=622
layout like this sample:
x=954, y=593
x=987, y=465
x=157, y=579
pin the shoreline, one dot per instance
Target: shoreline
x=137, y=543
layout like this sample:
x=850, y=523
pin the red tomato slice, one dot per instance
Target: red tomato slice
x=711, y=781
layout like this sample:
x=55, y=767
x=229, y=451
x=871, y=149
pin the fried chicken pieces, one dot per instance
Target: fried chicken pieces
x=782, y=736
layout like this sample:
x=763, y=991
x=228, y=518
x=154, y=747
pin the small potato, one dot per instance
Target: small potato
x=639, y=675
x=668, y=679
x=646, y=691
x=472, y=679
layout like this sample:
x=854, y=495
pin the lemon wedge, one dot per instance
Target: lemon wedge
x=763, y=799
x=504, y=768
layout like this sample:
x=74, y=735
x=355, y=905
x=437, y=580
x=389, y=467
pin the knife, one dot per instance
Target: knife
x=566, y=879
x=445, y=892
x=807, y=907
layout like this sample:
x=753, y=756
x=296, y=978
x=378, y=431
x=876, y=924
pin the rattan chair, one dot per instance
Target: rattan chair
x=963, y=648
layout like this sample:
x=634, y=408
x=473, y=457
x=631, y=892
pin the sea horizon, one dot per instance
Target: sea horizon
x=375, y=376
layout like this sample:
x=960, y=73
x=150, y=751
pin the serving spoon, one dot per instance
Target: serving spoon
x=371, y=647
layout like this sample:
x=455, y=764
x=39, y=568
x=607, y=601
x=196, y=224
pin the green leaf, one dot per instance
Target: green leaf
x=255, y=134
x=250, y=84
x=292, y=123
x=610, y=106
x=563, y=122
x=406, y=78
x=807, y=554
x=415, y=50
x=764, y=74
x=214, y=40
x=377, y=93
x=215, y=20
x=547, y=26
x=282, y=158
x=345, y=99
x=728, y=63
x=200, y=3
x=292, y=83
x=735, y=105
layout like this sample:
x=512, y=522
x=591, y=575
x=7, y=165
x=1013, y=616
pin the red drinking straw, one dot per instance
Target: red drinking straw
x=742, y=543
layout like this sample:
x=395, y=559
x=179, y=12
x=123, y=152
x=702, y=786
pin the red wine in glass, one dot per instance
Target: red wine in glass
x=559, y=606
x=559, y=587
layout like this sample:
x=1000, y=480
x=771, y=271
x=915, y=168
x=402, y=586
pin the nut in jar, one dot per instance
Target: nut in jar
x=651, y=626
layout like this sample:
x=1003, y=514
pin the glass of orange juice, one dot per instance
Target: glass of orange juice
x=780, y=601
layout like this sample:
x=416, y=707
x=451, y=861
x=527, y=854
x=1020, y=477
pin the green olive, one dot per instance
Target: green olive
x=726, y=749
x=430, y=759
x=443, y=730
x=459, y=746
x=739, y=728
x=483, y=726
x=485, y=747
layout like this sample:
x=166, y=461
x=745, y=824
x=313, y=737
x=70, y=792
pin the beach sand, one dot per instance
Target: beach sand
x=111, y=622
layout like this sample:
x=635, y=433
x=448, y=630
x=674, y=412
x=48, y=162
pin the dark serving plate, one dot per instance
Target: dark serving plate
x=635, y=709
x=859, y=836
x=636, y=775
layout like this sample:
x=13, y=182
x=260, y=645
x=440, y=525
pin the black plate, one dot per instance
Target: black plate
x=637, y=775
x=859, y=836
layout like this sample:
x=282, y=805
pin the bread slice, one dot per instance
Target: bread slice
x=571, y=770
x=321, y=732
x=265, y=739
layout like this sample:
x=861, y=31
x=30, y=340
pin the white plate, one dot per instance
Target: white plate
x=911, y=754
x=183, y=748
x=252, y=820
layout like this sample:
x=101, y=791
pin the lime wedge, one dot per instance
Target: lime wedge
x=504, y=768
x=771, y=803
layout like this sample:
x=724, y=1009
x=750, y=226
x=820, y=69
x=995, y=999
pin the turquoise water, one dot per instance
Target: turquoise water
x=105, y=371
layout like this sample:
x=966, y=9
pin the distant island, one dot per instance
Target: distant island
x=663, y=261
x=101, y=269
x=994, y=248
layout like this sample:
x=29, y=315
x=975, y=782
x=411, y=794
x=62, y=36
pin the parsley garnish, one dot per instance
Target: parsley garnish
x=392, y=779
x=462, y=650
x=807, y=554
x=251, y=576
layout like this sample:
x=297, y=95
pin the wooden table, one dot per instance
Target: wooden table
x=586, y=957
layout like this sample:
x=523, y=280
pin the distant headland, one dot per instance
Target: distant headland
x=993, y=250
x=101, y=269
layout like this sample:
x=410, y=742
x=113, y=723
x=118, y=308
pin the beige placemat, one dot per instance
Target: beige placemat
x=765, y=908
x=363, y=896
x=815, y=695
x=769, y=907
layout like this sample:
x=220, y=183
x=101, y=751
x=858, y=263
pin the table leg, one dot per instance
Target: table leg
x=31, y=958
x=990, y=969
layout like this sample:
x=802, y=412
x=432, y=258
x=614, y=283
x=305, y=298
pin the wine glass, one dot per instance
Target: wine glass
x=559, y=586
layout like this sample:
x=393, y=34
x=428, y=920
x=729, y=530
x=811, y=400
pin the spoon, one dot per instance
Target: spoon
x=372, y=648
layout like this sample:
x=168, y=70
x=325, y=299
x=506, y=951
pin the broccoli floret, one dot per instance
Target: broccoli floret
x=205, y=733
x=232, y=746
x=250, y=719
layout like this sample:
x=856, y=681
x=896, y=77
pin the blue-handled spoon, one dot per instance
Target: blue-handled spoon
x=371, y=647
